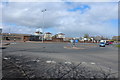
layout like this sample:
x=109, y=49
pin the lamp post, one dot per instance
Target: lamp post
x=43, y=24
x=9, y=30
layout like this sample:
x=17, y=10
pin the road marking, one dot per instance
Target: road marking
x=6, y=58
x=84, y=63
x=50, y=62
x=36, y=60
x=92, y=63
x=68, y=63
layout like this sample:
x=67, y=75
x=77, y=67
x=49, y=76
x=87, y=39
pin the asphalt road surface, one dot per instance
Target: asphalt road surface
x=88, y=54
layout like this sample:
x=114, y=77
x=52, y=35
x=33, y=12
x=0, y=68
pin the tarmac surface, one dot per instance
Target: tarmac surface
x=89, y=54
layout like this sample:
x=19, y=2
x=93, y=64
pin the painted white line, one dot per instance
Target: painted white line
x=6, y=58
x=36, y=60
x=92, y=63
x=53, y=62
x=50, y=62
x=84, y=63
x=68, y=63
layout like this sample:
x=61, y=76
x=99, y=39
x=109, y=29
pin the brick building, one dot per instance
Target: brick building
x=16, y=37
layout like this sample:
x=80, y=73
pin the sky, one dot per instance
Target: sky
x=71, y=18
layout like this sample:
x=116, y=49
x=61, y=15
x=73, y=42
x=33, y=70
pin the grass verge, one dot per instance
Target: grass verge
x=118, y=46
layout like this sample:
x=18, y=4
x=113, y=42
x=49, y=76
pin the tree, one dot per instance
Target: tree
x=55, y=36
x=86, y=35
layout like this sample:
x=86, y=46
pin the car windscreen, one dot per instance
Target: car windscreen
x=102, y=43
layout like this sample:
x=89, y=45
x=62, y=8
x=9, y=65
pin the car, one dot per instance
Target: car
x=102, y=44
x=107, y=43
x=110, y=42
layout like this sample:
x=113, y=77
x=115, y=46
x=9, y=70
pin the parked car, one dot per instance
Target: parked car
x=107, y=43
x=102, y=44
x=110, y=42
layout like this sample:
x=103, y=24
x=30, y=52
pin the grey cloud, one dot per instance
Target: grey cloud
x=58, y=16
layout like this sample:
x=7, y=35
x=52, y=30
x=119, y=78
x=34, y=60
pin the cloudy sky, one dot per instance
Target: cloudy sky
x=71, y=18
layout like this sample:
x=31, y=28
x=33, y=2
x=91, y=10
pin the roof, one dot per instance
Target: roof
x=38, y=32
x=61, y=33
x=48, y=33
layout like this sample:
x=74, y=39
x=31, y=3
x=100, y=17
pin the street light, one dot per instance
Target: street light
x=43, y=24
x=9, y=30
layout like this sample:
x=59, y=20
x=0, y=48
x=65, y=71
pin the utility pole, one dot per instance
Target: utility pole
x=43, y=25
x=9, y=31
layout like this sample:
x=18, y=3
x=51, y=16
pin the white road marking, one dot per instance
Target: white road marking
x=36, y=60
x=50, y=62
x=84, y=63
x=6, y=58
x=92, y=63
x=68, y=63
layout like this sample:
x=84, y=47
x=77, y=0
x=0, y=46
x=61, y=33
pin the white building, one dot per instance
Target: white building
x=48, y=36
x=60, y=35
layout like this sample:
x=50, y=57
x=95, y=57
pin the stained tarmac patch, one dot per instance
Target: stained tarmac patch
x=67, y=47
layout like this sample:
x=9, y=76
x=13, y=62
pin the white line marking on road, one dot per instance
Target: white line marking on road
x=50, y=62
x=92, y=63
x=68, y=63
x=84, y=63
x=6, y=58
x=36, y=60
